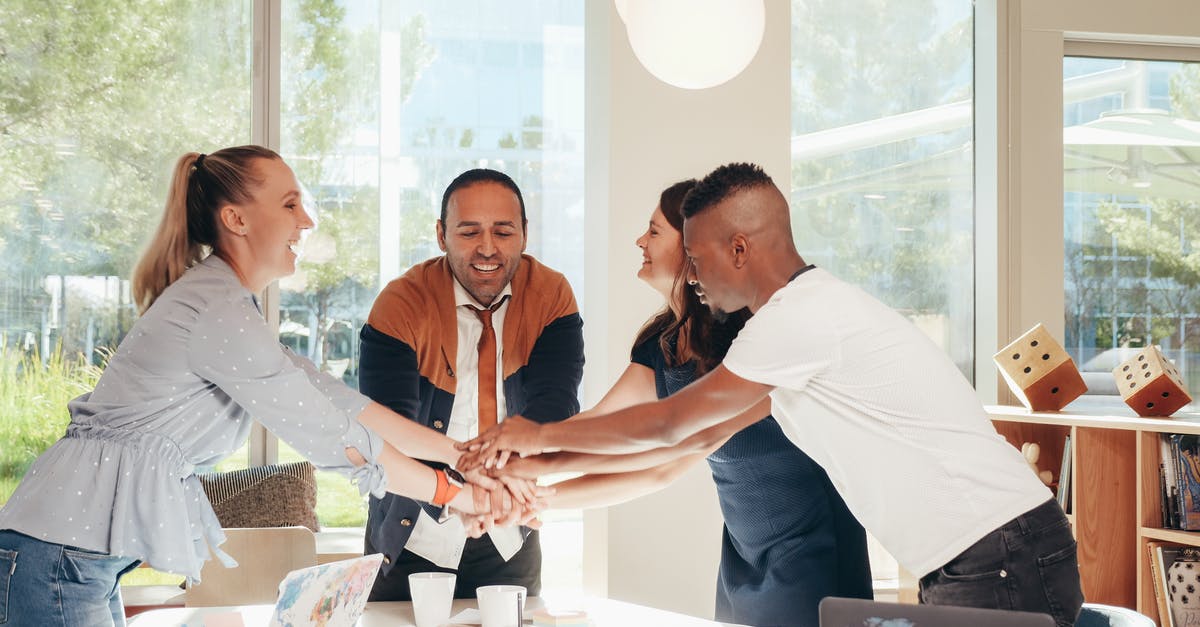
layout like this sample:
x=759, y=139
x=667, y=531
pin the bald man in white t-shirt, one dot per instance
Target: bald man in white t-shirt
x=863, y=392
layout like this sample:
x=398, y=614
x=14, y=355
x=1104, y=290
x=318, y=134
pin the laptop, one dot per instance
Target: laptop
x=333, y=594
x=838, y=612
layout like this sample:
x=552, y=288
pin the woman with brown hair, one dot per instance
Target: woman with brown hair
x=181, y=391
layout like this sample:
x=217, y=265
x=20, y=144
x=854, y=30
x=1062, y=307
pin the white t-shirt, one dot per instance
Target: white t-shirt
x=887, y=414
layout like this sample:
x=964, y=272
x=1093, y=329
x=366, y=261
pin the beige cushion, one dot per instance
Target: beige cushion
x=277, y=495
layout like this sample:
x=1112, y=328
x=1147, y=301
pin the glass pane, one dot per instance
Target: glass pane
x=1131, y=175
x=383, y=104
x=97, y=100
x=882, y=166
x=882, y=190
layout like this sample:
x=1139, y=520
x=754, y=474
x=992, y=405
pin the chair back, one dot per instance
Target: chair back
x=264, y=555
x=277, y=495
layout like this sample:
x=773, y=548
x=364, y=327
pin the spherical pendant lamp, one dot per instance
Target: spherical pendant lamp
x=694, y=44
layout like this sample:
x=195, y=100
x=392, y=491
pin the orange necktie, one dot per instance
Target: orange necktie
x=487, y=370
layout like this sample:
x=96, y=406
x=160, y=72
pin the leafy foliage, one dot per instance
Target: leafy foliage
x=33, y=402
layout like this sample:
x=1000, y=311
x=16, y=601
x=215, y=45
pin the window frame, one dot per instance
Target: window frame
x=1019, y=163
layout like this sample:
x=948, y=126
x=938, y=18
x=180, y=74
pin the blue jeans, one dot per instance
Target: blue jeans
x=1028, y=564
x=48, y=585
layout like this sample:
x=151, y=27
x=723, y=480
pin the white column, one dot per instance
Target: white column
x=643, y=135
x=391, y=22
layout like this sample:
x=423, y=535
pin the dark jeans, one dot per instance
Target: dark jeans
x=1028, y=564
x=481, y=565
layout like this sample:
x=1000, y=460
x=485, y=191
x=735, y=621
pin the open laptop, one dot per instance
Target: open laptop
x=333, y=594
x=838, y=612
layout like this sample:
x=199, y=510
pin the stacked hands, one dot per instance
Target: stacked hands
x=504, y=492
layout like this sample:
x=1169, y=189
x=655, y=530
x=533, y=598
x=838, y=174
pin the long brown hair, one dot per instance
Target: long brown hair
x=200, y=186
x=692, y=334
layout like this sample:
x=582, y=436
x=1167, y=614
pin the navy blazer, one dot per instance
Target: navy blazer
x=409, y=352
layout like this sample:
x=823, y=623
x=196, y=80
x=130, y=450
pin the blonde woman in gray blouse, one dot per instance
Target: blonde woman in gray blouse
x=181, y=391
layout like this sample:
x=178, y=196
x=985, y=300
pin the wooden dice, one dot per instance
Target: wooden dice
x=1151, y=384
x=1039, y=371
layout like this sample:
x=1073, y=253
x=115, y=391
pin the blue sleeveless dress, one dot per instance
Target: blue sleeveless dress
x=789, y=540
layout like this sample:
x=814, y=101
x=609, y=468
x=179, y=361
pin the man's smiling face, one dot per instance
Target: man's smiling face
x=483, y=238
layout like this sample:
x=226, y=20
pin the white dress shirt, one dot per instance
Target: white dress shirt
x=442, y=543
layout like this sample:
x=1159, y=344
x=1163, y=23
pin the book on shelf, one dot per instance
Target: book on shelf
x=1170, y=482
x=1064, y=478
x=1162, y=555
x=1186, y=457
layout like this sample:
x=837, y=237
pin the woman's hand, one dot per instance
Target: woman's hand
x=471, y=507
x=525, y=467
x=500, y=508
x=478, y=476
x=493, y=447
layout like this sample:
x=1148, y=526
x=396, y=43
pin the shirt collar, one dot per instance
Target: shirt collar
x=220, y=265
x=463, y=298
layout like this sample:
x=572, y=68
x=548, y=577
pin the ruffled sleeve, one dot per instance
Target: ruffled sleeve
x=232, y=347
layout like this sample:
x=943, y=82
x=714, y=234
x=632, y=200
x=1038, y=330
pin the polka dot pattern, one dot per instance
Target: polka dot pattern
x=183, y=391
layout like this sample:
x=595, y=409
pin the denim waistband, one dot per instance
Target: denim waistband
x=1040, y=517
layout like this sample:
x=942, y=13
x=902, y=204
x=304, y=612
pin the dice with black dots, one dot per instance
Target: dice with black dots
x=1039, y=371
x=1150, y=384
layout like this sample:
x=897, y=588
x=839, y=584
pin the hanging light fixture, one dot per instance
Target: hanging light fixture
x=694, y=44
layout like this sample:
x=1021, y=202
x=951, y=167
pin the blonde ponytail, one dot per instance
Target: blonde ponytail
x=170, y=252
x=200, y=186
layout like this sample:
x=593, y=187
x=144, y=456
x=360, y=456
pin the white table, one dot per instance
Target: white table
x=602, y=612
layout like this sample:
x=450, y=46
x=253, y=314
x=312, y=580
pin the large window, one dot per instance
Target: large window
x=381, y=103
x=1131, y=211
x=881, y=190
x=882, y=170
x=409, y=95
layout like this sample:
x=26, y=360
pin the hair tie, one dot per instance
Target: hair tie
x=199, y=160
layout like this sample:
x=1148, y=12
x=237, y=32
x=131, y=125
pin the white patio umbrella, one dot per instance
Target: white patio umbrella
x=1135, y=152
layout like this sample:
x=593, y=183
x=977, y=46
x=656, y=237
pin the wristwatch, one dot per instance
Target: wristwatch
x=455, y=477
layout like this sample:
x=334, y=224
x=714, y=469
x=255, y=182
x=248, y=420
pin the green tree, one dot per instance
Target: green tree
x=96, y=100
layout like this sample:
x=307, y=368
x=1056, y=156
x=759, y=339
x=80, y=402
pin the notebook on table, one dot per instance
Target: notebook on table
x=332, y=595
x=838, y=612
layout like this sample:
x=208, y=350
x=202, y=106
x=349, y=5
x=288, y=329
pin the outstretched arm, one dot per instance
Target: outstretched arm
x=603, y=490
x=716, y=397
x=700, y=444
x=407, y=436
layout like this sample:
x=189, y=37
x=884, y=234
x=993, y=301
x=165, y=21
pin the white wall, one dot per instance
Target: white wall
x=644, y=135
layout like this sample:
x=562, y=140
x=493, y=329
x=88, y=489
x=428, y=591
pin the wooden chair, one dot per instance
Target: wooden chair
x=264, y=555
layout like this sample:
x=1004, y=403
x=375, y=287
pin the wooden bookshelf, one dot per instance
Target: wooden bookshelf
x=1116, y=504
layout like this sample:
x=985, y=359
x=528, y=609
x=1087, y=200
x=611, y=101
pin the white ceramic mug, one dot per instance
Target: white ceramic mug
x=501, y=606
x=432, y=594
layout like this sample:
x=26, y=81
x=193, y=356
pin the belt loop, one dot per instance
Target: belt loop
x=1023, y=523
